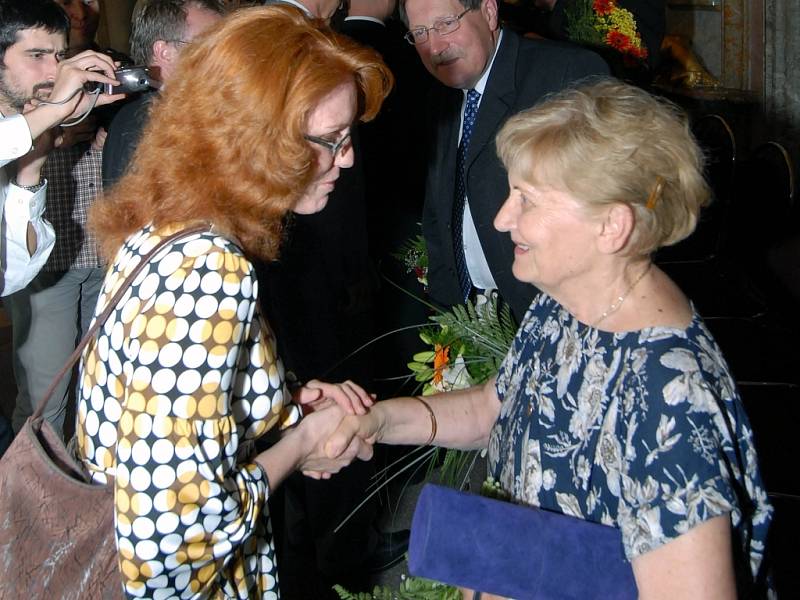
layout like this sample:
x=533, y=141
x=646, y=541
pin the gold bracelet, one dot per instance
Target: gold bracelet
x=433, y=420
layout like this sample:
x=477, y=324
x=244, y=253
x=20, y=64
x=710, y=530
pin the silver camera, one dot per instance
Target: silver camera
x=131, y=80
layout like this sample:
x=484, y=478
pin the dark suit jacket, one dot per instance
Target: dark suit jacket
x=123, y=137
x=523, y=72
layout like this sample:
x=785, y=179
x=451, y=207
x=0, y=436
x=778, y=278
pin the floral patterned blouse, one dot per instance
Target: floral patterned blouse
x=179, y=380
x=627, y=429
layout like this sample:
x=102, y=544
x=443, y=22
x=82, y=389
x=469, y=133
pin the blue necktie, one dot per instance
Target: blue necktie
x=459, y=202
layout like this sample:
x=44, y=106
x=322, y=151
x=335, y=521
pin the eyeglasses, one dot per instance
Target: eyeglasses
x=178, y=42
x=332, y=147
x=443, y=26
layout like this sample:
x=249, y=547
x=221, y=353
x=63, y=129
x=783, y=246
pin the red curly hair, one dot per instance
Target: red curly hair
x=225, y=143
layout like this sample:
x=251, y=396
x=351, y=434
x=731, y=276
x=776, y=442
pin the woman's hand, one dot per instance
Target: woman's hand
x=351, y=429
x=351, y=397
x=315, y=430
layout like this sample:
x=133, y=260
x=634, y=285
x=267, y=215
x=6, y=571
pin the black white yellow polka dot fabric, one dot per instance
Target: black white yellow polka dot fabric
x=180, y=377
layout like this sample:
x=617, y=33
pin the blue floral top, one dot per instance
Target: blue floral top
x=628, y=429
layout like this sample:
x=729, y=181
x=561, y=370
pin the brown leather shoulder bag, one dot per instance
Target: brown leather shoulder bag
x=56, y=527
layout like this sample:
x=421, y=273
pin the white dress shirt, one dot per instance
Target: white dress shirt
x=19, y=207
x=477, y=265
x=297, y=4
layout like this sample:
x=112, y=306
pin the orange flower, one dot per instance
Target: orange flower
x=603, y=7
x=441, y=359
x=619, y=41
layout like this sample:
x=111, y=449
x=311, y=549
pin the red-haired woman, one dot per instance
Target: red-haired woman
x=184, y=374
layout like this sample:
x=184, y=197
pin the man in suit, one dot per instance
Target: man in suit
x=488, y=74
x=160, y=29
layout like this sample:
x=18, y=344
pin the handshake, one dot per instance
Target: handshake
x=339, y=427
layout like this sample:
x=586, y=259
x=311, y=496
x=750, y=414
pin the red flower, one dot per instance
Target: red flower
x=603, y=7
x=625, y=45
x=619, y=41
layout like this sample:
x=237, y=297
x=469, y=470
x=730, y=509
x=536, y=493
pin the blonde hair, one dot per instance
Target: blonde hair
x=225, y=142
x=609, y=142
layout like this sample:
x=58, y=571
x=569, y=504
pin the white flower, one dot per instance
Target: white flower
x=589, y=399
x=583, y=470
x=638, y=359
x=549, y=479
x=532, y=470
x=568, y=357
x=641, y=528
x=569, y=505
x=454, y=377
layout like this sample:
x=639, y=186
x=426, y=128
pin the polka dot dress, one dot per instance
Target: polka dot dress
x=182, y=375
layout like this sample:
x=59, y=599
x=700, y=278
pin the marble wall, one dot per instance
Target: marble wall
x=115, y=24
x=782, y=73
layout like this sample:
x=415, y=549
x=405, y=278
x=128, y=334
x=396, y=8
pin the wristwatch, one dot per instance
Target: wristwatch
x=30, y=188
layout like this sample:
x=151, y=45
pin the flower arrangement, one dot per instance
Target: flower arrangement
x=605, y=23
x=467, y=345
x=414, y=256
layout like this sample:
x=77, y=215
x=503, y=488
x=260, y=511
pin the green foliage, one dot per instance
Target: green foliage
x=455, y=466
x=414, y=256
x=581, y=23
x=484, y=331
x=412, y=588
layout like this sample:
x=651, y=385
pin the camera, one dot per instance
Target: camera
x=131, y=80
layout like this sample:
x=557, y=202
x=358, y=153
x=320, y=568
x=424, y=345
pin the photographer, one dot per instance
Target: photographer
x=39, y=90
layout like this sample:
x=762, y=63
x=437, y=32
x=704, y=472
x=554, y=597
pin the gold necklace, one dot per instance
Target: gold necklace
x=620, y=299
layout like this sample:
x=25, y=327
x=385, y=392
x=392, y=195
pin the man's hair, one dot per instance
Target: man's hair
x=608, y=142
x=225, y=142
x=467, y=4
x=18, y=15
x=165, y=20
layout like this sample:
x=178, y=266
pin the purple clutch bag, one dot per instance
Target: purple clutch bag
x=515, y=551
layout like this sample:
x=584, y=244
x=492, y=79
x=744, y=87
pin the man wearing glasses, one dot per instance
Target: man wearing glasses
x=488, y=74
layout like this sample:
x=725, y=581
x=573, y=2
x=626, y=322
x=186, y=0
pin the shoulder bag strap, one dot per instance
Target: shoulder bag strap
x=109, y=308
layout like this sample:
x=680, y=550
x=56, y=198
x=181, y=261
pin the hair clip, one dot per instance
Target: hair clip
x=652, y=200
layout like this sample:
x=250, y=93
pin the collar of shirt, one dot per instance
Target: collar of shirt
x=481, y=85
x=298, y=5
x=365, y=18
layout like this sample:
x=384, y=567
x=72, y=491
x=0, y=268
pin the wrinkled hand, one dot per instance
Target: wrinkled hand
x=315, y=430
x=351, y=397
x=352, y=429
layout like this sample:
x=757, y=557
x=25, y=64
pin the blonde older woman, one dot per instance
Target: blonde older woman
x=614, y=403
